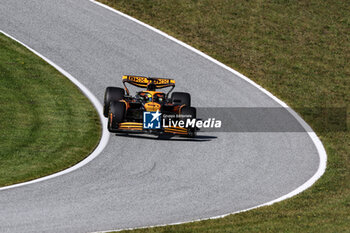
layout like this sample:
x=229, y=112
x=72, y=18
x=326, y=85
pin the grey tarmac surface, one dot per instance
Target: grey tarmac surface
x=140, y=181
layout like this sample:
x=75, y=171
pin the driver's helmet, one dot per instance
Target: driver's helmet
x=147, y=97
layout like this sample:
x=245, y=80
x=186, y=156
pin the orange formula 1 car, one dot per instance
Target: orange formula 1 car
x=149, y=111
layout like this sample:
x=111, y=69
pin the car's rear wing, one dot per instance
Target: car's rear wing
x=149, y=83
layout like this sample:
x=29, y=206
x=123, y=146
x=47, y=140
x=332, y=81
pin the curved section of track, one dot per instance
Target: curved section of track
x=138, y=181
x=105, y=134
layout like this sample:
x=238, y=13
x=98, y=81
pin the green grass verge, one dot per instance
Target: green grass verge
x=46, y=123
x=299, y=51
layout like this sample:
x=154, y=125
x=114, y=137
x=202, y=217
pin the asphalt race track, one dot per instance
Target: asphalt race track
x=141, y=181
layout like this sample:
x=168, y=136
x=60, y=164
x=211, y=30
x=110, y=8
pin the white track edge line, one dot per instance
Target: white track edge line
x=105, y=134
x=317, y=142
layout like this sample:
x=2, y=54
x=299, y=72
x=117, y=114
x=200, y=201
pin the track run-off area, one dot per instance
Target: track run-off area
x=141, y=181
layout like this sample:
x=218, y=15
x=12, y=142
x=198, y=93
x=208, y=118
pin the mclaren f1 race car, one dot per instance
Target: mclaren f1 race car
x=149, y=111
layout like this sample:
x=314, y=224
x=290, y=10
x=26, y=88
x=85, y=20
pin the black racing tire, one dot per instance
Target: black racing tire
x=181, y=98
x=116, y=115
x=191, y=112
x=112, y=94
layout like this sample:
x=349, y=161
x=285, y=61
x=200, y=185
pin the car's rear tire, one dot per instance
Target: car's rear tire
x=116, y=115
x=181, y=98
x=190, y=113
x=112, y=94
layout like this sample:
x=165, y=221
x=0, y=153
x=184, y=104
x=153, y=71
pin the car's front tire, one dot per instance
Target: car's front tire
x=112, y=94
x=116, y=115
x=190, y=113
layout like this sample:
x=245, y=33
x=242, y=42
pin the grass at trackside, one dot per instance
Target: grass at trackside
x=46, y=123
x=298, y=50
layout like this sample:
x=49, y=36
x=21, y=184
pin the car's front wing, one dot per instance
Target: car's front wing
x=136, y=127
